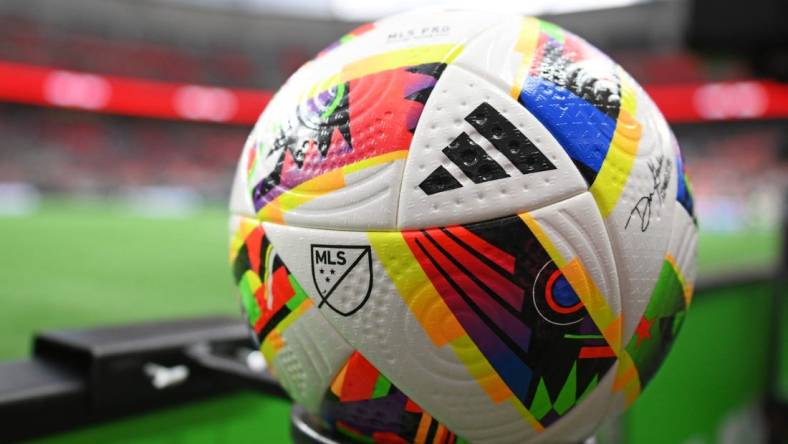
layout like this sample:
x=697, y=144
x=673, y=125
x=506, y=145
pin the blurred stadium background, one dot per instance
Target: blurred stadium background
x=122, y=121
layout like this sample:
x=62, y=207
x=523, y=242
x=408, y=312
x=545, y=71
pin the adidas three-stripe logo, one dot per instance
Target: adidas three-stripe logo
x=474, y=161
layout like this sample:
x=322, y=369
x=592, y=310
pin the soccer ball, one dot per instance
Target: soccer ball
x=463, y=225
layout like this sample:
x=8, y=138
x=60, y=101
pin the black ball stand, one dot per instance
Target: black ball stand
x=306, y=429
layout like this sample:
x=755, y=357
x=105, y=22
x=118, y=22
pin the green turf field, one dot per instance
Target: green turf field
x=80, y=264
x=89, y=263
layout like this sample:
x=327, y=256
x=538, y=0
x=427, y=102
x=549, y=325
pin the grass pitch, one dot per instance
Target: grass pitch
x=85, y=264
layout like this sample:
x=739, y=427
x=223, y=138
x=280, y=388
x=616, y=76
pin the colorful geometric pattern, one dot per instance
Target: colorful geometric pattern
x=572, y=89
x=356, y=124
x=349, y=37
x=363, y=405
x=513, y=303
x=661, y=321
x=586, y=101
x=684, y=191
x=271, y=297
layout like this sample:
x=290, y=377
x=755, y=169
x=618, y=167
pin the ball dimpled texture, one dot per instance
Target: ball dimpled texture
x=458, y=225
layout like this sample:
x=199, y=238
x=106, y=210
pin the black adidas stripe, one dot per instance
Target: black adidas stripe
x=473, y=160
x=507, y=139
x=438, y=181
x=475, y=163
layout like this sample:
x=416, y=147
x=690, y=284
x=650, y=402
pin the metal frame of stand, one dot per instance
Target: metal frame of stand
x=305, y=429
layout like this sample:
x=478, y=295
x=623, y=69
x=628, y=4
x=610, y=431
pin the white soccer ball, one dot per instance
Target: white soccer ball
x=462, y=225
